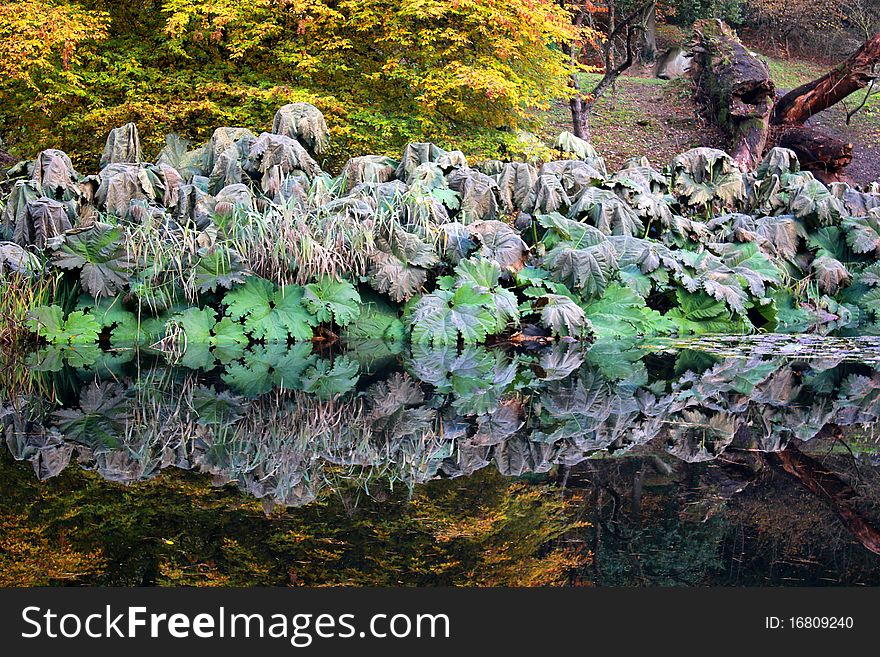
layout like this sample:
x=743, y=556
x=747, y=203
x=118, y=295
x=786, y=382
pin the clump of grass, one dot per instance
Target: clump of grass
x=19, y=295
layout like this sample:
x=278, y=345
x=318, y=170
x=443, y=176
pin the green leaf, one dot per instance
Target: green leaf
x=377, y=322
x=49, y=323
x=439, y=318
x=332, y=300
x=621, y=312
x=270, y=313
x=699, y=313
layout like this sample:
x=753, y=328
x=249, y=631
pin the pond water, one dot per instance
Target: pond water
x=713, y=461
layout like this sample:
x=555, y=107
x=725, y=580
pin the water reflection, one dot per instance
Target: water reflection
x=677, y=432
x=284, y=423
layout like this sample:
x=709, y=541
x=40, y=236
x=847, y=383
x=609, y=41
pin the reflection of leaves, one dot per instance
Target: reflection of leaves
x=100, y=419
x=218, y=408
x=326, y=381
x=264, y=368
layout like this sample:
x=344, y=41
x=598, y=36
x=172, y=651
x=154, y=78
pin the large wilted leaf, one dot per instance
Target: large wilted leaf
x=303, y=122
x=704, y=175
x=566, y=142
x=276, y=156
x=501, y=243
x=14, y=258
x=100, y=252
x=515, y=183
x=230, y=165
x=778, y=162
x=547, y=195
x=588, y=269
x=120, y=184
x=607, y=212
x=46, y=218
x=270, y=313
x=122, y=146
x=177, y=155
x=54, y=171
x=398, y=280
x=563, y=316
x=831, y=274
x=415, y=154
x=477, y=191
x=15, y=212
x=863, y=233
x=223, y=139
x=456, y=241
x=409, y=248
x=234, y=198
x=576, y=175
x=368, y=169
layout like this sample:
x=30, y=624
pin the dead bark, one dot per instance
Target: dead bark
x=816, y=151
x=736, y=87
x=832, y=490
x=855, y=73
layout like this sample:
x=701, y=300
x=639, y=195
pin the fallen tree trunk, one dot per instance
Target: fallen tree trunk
x=832, y=490
x=809, y=99
x=737, y=88
x=818, y=152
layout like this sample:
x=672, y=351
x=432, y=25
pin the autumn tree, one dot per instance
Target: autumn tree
x=383, y=72
x=42, y=47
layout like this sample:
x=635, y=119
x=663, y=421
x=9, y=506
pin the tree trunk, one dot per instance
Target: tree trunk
x=737, y=88
x=855, y=73
x=832, y=490
x=648, y=51
x=580, y=116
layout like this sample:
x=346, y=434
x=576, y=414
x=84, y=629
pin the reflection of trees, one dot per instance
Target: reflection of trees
x=179, y=530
